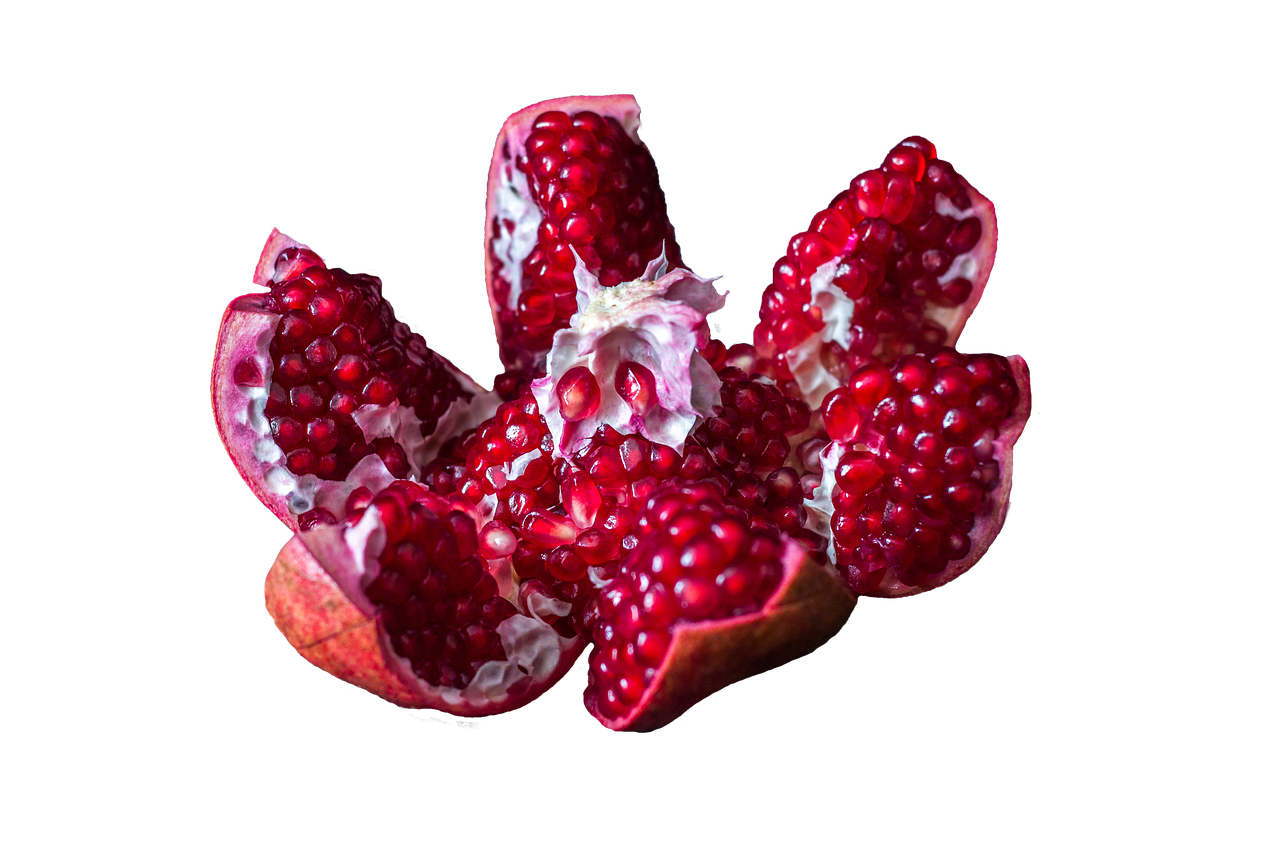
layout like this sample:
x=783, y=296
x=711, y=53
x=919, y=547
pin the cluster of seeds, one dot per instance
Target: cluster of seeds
x=566, y=524
x=338, y=347
x=440, y=607
x=891, y=245
x=697, y=559
x=598, y=192
x=907, y=506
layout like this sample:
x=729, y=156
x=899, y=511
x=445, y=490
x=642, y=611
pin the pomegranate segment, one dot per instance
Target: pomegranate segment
x=702, y=601
x=570, y=179
x=398, y=600
x=318, y=389
x=893, y=266
x=917, y=486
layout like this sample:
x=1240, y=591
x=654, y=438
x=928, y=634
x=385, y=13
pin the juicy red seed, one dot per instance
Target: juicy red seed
x=962, y=497
x=869, y=190
x=907, y=160
x=840, y=415
x=581, y=498
x=870, y=384
x=858, y=471
x=315, y=518
x=358, y=500
x=912, y=374
x=965, y=236
x=663, y=461
x=537, y=308
x=833, y=227
x=379, y=391
x=578, y=393
x=635, y=384
x=325, y=308
x=545, y=528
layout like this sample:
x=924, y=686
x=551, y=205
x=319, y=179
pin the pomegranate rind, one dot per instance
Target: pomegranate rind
x=809, y=607
x=503, y=176
x=314, y=596
x=322, y=624
x=264, y=274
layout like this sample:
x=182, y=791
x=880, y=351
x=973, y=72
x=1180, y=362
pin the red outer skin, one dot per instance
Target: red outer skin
x=243, y=323
x=809, y=607
x=512, y=135
x=332, y=632
x=985, y=529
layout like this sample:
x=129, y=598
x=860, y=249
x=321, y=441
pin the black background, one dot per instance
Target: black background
x=405, y=197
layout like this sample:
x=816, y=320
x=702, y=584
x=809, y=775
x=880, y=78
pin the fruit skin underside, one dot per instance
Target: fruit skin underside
x=950, y=649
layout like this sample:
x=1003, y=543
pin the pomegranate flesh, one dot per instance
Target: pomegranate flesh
x=398, y=599
x=569, y=180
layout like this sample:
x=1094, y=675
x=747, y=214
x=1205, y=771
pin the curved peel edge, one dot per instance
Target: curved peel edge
x=809, y=607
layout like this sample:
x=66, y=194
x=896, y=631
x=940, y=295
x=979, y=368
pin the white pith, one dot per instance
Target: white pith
x=964, y=266
x=513, y=243
x=653, y=321
x=820, y=507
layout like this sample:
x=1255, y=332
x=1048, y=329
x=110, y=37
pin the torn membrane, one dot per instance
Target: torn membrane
x=629, y=359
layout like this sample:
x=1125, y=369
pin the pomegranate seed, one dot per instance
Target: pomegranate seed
x=840, y=415
x=579, y=394
x=635, y=384
x=581, y=498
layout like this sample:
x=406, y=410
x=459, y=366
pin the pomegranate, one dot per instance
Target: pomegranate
x=570, y=181
x=696, y=512
x=319, y=390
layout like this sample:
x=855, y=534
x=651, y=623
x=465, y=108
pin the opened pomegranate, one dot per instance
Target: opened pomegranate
x=570, y=180
x=697, y=512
